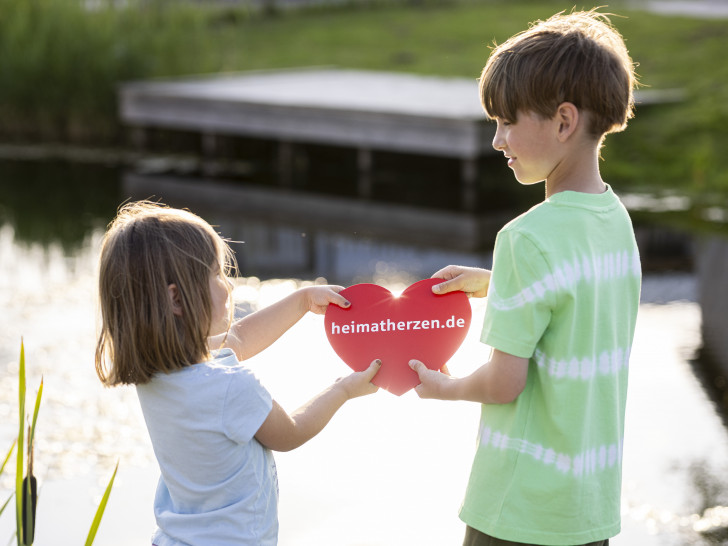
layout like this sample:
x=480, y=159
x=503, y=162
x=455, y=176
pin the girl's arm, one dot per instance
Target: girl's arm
x=498, y=381
x=257, y=331
x=283, y=432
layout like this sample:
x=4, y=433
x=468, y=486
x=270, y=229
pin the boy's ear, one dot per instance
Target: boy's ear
x=568, y=117
x=174, y=299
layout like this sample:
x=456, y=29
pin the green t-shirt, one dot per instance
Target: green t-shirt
x=564, y=293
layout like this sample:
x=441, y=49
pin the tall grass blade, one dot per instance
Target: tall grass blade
x=100, y=511
x=2, y=468
x=6, y=504
x=20, y=451
x=36, y=409
x=7, y=457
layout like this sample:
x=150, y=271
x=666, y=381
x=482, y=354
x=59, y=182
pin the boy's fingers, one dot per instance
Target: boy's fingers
x=447, y=286
x=442, y=273
x=417, y=366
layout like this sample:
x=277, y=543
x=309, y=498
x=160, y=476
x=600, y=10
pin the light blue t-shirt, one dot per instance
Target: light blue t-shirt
x=219, y=484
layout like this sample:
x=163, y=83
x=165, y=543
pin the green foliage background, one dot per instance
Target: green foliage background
x=61, y=60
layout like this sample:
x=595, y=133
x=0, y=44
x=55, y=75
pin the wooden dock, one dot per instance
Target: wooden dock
x=363, y=110
x=367, y=111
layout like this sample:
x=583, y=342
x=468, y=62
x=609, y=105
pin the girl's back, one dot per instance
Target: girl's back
x=202, y=421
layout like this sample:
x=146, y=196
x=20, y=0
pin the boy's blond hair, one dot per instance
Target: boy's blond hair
x=148, y=247
x=577, y=57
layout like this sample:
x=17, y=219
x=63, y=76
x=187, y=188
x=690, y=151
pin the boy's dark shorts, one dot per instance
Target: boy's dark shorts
x=473, y=537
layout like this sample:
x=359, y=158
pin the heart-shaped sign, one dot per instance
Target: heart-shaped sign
x=418, y=324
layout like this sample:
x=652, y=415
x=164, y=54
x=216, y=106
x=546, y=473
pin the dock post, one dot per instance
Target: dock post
x=138, y=137
x=209, y=150
x=285, y=163
x=469, y=176
x=364, y=170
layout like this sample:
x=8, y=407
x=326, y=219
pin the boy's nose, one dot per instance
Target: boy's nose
x=498, y=142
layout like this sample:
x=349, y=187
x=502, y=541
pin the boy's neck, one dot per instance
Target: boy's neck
x=578, y=172
x=594, y=185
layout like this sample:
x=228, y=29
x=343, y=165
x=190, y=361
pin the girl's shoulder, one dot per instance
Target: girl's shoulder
x=223, y=362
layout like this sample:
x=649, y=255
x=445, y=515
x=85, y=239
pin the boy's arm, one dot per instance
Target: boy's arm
x=283, y=432
x=473, y=281
x=257, y=331
x=498, y=381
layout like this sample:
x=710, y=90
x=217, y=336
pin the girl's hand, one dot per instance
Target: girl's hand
x=283, y=432
x=360, y=383
x=318, y=298
x=474, y=281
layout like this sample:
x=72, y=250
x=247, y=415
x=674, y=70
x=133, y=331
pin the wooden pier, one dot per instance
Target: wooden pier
x=362, y=110
x=366, y=111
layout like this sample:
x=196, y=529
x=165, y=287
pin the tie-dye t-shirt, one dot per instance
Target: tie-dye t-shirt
x=564, y=293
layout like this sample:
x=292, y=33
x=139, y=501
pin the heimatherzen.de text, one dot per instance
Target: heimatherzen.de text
x=388, y=325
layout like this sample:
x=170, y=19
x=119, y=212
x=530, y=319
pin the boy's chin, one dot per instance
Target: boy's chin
x=528, y=182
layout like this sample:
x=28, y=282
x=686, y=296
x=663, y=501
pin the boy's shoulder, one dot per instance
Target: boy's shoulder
x=531, y=219
x=565, y=207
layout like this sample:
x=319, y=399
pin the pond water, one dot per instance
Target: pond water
x=387, y=471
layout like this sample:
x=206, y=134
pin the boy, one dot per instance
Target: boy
x=562, y=296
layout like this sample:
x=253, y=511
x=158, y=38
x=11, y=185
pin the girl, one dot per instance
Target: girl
x=167, y=328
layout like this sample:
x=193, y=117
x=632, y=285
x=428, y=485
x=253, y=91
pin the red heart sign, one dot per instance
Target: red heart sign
x=418, y=324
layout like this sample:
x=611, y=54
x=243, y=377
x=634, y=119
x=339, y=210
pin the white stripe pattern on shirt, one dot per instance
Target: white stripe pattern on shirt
x=607, y=363
x=602, y=268
x=588, y=462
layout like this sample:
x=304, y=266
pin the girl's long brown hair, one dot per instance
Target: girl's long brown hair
x=148, y=247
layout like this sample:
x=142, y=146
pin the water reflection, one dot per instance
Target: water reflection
x=676, y=444
x=56, y=202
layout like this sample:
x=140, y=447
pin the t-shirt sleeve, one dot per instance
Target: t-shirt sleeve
x=247, y=404
x=519, y=307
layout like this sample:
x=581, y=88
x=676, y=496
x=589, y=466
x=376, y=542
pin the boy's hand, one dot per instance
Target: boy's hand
x=433, y=384
x=473, y=281
x=318, y=298
x=360, y=383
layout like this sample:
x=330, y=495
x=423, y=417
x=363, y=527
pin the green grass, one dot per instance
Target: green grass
x=60, y=65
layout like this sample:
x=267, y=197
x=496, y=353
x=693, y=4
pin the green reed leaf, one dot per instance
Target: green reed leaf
x=35, y=416
x=6, y=504
x=100, y=511
x=20, y=450
x=7, y=457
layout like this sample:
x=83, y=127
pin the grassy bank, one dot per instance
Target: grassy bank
x=61, y=63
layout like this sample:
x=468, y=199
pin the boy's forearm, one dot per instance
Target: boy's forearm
x=498, y=381
x=481, y=386
x=472, y=388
